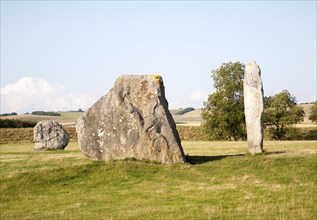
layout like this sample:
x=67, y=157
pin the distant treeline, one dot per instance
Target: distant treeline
x=184, y=111
x=8, y=114
x=14, y=123
x=306, y=103
x=46, y=113
x=79, y=110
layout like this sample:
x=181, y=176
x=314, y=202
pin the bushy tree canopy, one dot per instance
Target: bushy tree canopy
x=223, y=113
x=9, y=114
x=280, y=112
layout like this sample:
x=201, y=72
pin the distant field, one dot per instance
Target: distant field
x=192, y=118
x=188, y=133
x=66, y=118
x=173, y=111
x=222, y=182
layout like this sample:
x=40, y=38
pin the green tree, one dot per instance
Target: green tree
x=313, y=112
x=280, y=113
x=223, y=113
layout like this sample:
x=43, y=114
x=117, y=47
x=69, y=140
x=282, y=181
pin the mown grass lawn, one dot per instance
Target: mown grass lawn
x=222, y=182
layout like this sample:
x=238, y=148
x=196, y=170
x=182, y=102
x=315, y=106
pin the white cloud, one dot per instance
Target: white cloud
x=198, y=96
x=30, y=94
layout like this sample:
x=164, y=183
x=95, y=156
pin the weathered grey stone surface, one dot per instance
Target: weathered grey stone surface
x=253, y=107
x=131, y=121
x=50, y=135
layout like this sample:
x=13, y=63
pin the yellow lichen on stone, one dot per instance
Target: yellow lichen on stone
x=156, y=79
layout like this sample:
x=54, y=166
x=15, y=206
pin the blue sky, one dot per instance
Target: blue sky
x=62, y=55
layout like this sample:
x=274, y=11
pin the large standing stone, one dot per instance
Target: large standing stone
x=50, y=135
x=253, y=107
x=131, y=121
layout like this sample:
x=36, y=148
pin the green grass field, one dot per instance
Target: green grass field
x=222, y=182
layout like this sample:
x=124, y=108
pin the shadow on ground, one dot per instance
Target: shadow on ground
x=274, y=152
x=205, y=159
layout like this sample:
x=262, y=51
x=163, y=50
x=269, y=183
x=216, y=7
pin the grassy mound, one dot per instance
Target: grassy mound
x=223, y=182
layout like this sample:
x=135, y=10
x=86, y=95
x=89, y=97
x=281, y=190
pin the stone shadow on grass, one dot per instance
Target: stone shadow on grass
x=275, y=152
x=205, y=159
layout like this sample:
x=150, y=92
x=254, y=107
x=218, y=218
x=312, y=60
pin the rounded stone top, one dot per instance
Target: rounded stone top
x=253, y=67
x=252, y=63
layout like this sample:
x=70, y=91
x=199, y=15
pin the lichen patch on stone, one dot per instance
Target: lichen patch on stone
x=156, y=79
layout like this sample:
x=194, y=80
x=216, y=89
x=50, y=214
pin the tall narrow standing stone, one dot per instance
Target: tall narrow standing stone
x=253, y=107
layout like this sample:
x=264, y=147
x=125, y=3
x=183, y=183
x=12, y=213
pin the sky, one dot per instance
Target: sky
x=65, y=55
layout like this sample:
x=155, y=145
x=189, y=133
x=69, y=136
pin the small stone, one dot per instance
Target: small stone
x=50, y=135
x=253, y=107
x=135, y=116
